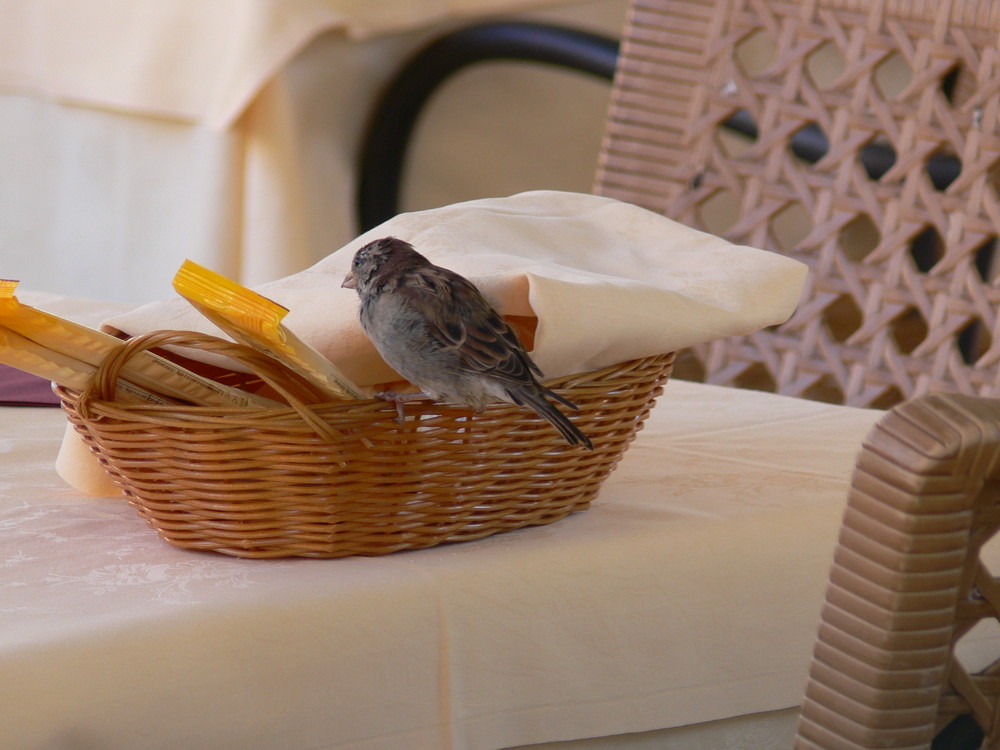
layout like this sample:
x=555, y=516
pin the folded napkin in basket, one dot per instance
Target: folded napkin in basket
x=599, y=281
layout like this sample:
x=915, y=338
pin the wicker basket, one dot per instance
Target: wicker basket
x=347, y=478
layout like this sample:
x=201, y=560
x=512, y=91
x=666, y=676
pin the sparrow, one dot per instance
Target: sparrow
x=436, y=329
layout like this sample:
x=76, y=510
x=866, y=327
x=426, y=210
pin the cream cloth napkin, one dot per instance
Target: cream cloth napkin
x=197, y=60
x=607, y=281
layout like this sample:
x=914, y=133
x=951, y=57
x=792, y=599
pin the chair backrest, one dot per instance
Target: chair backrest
x=860, y=136
x=908, y=584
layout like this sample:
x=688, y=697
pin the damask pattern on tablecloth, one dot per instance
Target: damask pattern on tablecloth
x=583, y=609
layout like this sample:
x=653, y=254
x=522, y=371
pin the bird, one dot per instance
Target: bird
x=436, y=329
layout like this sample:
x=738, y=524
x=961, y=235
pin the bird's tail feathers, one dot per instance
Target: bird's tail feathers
x=564, y=401
x=537, y=401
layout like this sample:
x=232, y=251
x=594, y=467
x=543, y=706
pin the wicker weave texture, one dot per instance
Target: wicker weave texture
x=873, y=156
x=349, y=478
x=908, y=584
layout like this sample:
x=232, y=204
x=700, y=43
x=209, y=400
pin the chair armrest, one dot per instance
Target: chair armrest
x=907, y=583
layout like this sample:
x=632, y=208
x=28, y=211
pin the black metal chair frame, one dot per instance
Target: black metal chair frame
x=391, y=124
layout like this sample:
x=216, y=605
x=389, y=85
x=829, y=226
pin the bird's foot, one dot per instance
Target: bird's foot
x=400, y=400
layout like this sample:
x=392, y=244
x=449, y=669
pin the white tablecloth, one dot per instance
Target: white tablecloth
x=688, y=593
x=137, y=133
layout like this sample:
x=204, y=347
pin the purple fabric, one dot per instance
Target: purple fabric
x=19, y=388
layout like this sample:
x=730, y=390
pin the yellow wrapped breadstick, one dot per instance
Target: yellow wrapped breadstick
x=147, y=370
x=29, y=356
x=255, y=320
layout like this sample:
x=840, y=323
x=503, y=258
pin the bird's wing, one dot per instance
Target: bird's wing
x=460, y=319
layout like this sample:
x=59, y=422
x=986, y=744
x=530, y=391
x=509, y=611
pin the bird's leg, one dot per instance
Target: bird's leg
x=400, y=400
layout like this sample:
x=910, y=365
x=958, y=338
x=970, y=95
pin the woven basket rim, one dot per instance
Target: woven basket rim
x=118, y=409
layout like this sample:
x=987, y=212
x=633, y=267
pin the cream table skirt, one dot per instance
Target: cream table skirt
x=682, y=605
x=137, y=133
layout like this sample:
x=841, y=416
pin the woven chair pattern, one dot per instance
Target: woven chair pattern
x=872, y=155
x=924, y=500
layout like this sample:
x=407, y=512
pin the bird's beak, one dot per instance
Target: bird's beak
x=349, y=281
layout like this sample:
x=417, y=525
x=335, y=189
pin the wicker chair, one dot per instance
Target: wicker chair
x=872, y=155
x=862, y=137
x=871, y=151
